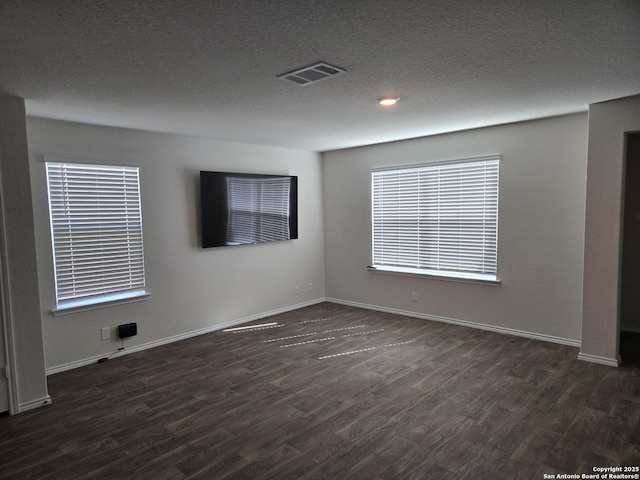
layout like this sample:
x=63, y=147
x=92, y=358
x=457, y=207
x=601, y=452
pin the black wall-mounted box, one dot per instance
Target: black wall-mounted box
x=127, y=330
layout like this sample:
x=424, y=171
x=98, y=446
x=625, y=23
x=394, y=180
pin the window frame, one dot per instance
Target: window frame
x=125, y=211
x=409, y=266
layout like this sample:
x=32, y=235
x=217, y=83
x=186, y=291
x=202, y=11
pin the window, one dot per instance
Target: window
x=96, y=228
x=437, y=219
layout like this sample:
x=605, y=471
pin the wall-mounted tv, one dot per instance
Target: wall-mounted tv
x=242, y=208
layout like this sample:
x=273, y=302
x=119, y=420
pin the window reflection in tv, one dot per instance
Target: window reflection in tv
x=241, y=208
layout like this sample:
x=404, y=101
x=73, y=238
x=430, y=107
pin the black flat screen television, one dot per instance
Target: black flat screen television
x=242, y=208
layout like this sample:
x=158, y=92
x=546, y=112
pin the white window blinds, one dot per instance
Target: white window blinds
x=439, y=219
x=96, y=226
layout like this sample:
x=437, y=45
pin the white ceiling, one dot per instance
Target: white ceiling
x=209, y=67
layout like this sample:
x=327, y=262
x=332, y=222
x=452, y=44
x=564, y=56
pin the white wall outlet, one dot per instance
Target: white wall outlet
x=297, y=289
x=105, y=333
x=309, y=287
x=414, y=296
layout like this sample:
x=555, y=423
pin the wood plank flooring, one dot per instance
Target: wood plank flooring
x=332, y=392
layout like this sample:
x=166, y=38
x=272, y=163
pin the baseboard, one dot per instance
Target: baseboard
x=33, y=404
x=408, y=313
x=612, y=362
x=462, y=323
x=182, y=336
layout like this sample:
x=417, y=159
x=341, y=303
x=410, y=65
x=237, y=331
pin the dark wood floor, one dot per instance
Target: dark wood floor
x=333, y=392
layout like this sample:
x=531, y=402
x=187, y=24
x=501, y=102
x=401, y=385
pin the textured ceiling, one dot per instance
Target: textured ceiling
x=209, y=67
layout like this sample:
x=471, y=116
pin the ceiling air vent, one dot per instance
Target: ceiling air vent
x=311, y=74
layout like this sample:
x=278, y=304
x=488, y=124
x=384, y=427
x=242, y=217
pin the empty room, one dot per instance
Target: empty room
x=319, y=239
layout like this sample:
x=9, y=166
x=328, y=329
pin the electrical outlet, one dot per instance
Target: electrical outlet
x=309, y=287
x=414, y=296
x=105, y=333
x=297, y=289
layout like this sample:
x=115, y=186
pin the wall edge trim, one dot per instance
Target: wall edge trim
x=611, y=362
x=175, y=338
x=462, y=323
x=33, y=404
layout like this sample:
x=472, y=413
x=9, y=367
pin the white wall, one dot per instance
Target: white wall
x=21, y=308
x=608, y=123
x=541, y=228
x=191, y=288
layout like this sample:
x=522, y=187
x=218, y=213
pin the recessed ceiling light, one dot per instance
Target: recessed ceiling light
x=388, y=101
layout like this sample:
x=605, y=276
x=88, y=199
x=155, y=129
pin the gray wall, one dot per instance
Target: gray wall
x=541, y=229
x=608, y=124
x=22, y=307
x=192, y=290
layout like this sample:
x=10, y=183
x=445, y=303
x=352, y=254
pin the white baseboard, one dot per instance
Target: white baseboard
x=33, y=404
x=612, y=362
x=463, y=323
x=232, y=323
x=182, y=336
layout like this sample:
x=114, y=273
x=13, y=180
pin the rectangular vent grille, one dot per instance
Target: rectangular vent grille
x=311, y=74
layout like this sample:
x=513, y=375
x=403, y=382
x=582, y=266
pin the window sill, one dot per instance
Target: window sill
x=100, y=302
x=431, y=274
